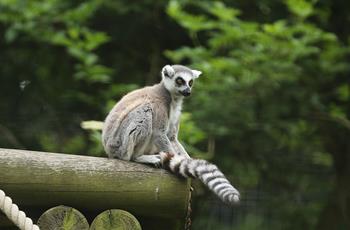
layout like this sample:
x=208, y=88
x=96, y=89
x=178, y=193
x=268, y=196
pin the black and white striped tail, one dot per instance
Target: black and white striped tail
x=206, y=172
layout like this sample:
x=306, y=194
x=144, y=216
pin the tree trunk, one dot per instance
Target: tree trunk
x=336, y=213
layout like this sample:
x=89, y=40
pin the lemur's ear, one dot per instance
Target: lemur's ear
x=196, y=73
x=168, y=71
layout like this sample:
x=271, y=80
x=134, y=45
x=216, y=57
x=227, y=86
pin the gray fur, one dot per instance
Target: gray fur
x=143, y=127
x=181, y=68
x=146, y=121
x=137, y=124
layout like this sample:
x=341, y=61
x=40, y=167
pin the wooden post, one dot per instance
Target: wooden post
x=44, y=180
x=63, y=217
x=115, y=219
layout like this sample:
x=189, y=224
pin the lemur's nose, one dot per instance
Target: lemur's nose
x=186, y=92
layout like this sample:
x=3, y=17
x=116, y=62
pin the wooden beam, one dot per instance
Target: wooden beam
x=43, y=180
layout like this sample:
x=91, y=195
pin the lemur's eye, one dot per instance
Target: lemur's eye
x=179, y=81
x=190, y=83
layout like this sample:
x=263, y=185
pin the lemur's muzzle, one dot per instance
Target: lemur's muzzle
x=186, y=92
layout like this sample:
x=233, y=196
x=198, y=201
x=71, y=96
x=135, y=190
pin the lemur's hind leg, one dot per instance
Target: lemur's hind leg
x=179, y=149
x=133, y=132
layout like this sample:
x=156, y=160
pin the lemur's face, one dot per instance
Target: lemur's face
x=179, y=83
x=183, y=82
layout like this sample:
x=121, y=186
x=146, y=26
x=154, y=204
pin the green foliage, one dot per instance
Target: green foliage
x=301, y=8
x=191, y=135
x=189, y=130
x=95, y=137
x=261, y=89
x=58, y=23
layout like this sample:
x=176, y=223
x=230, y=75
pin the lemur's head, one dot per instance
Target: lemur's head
x=178, y=79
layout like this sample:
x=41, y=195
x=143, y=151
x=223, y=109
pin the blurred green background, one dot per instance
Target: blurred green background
x=272, y=108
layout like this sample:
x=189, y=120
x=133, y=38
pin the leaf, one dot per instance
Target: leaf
x=81, y=13
x=60, y=38
x=337, y=111
x=301, y=8
x=193, y=23
x=344, y=92
x=222, y=12
x=95, y=39
x=276, y=28
x=73, y=32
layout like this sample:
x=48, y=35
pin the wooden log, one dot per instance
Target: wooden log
x=43, y=180
x=64, y=218
x=115, y=219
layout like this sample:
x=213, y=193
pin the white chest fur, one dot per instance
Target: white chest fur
x=174, y=113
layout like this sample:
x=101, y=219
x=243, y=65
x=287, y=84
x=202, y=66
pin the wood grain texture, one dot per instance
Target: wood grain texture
x=64, y=218
x=40, y=179
x=115, y=219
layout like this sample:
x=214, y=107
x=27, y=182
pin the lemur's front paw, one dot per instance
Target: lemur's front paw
x=158, y=163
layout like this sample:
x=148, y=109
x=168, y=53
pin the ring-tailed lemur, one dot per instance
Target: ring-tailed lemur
x=144, y=124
